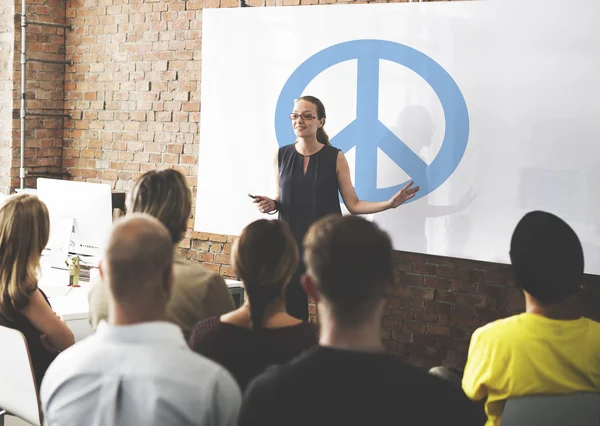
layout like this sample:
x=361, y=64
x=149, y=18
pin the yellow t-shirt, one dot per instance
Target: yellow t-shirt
x=530, y=354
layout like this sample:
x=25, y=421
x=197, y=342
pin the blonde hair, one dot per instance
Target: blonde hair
x=24, y=232
x=166, y=196
x=265, y=258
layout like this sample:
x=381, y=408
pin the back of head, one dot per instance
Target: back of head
x=24, y=232
x=165, y=195
x=138, y=261
x=265, y=257
x=350, y=259
x=547, y=257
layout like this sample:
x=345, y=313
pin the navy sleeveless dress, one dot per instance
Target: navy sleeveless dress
x=305, y=198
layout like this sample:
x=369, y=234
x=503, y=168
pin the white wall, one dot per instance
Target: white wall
x=528, y=74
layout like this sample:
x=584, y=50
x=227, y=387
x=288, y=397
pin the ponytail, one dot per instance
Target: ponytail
x=264, y=257
x=322, y=136
x=260, y=298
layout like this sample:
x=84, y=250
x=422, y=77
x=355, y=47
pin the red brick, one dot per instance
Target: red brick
x=200, y=235
x=471, y=300
x=403, y=291
x=424, y=269
x=413, y=327
x=413, y=304
x=515, y=300
x=412, y=280
x=448, y=272
x=222, y=258
x=466, y=322
x=389, y=345
x=446, y=296
x=438, y=330
x=391, y=323
x=464, y=311
x=400, y=336
x=212, y=267
x=461, y=333
x=403, y=266
x=205, y=257
x=426, y=317
x=218, y=238
x=414, y=257
x=489, y=315
x=433, y=306
x=401, y=313
x=435, y=282
x=414, y=349
x=464, y=287
x=422, y=293
x=499, y=276
x=216, y=248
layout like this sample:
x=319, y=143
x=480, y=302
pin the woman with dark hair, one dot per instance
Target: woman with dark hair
x=310, y=173
x=260, y=333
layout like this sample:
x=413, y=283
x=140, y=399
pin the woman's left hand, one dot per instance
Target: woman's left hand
x=403, y=195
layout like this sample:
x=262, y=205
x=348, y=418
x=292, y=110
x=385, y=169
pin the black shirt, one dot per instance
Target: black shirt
x=246, y=353
x=327, y=387
x=305, y=198
x=40, y=357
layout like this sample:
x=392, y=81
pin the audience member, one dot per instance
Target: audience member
x=260, y=333
x=548, y=349
x=24, y=232
x=137, y=369
x=349, y=379
x=197, y=292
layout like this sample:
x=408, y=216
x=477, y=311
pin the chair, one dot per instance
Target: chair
x=18, y=390
x=579, y=409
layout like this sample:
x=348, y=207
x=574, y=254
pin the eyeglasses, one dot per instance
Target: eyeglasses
x=307, y=116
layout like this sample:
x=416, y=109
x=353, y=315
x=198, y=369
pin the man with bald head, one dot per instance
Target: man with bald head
x=137, y=369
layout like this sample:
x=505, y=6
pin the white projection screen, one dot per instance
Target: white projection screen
x=492, y=107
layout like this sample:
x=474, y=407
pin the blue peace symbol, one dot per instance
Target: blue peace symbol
x=366, y=132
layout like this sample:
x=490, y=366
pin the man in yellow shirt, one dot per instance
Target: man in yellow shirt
x=548, y=349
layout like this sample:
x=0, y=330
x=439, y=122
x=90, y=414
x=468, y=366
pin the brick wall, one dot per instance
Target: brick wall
x=440, y=301
x=134, y=93
x=44, y=92
x=6, y=87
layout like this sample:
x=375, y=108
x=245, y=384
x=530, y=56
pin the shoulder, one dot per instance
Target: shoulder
x=187, y=273
x=194, y=365
x=68, y=364
x=280, y=377
x=497, y=329
x=309, y=331
x=593, y=325
x=333, y=149
x=286, y=151
x=203, y=329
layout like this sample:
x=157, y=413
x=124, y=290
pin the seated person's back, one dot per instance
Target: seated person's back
x=331, y=386
x=137, y=369
x=197, y=292
x=548, y=349
x=349, y=379
x=260, y=333
x=24, y=232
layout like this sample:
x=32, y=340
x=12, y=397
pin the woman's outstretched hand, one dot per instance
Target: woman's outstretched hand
x=403, y=195
x=264, y=204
